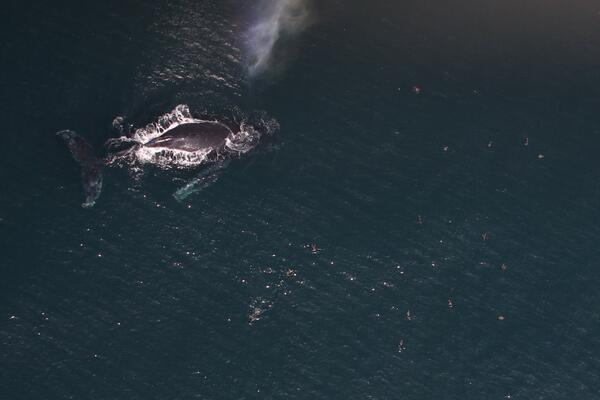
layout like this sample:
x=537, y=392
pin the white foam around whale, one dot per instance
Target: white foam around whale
x=169, y=158
x=242, y=141
x=180, y=115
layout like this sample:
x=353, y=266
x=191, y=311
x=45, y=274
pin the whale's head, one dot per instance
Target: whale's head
x=264, y=124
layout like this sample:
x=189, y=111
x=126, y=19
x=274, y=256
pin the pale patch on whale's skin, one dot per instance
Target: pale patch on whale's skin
x=176, y=140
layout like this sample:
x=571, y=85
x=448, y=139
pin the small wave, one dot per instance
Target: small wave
x=251, y=130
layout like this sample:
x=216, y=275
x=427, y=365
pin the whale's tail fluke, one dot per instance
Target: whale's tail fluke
x=91, y=166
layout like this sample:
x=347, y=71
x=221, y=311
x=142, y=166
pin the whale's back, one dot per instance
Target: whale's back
x=193, y=136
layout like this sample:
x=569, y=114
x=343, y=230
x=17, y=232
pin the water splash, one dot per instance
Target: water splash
x=169, y=158
x=178, y=116
x=277, y=18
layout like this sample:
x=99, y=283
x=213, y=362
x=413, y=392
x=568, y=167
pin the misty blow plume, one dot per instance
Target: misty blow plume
x=276, y=21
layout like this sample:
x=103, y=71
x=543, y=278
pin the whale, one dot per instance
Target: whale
x=175, y=140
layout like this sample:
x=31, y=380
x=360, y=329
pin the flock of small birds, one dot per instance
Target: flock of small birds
x=485, y=236
x=259, y=306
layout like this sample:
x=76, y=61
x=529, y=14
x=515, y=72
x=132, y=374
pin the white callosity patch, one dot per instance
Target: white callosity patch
x=248, y=136
x=244, y=140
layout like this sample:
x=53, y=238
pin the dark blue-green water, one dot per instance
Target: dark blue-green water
x=453, y=261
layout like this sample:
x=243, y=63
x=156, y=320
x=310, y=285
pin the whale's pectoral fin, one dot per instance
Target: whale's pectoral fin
x=206, y=178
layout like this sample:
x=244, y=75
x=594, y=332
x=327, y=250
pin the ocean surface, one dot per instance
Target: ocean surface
x=424, y=224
